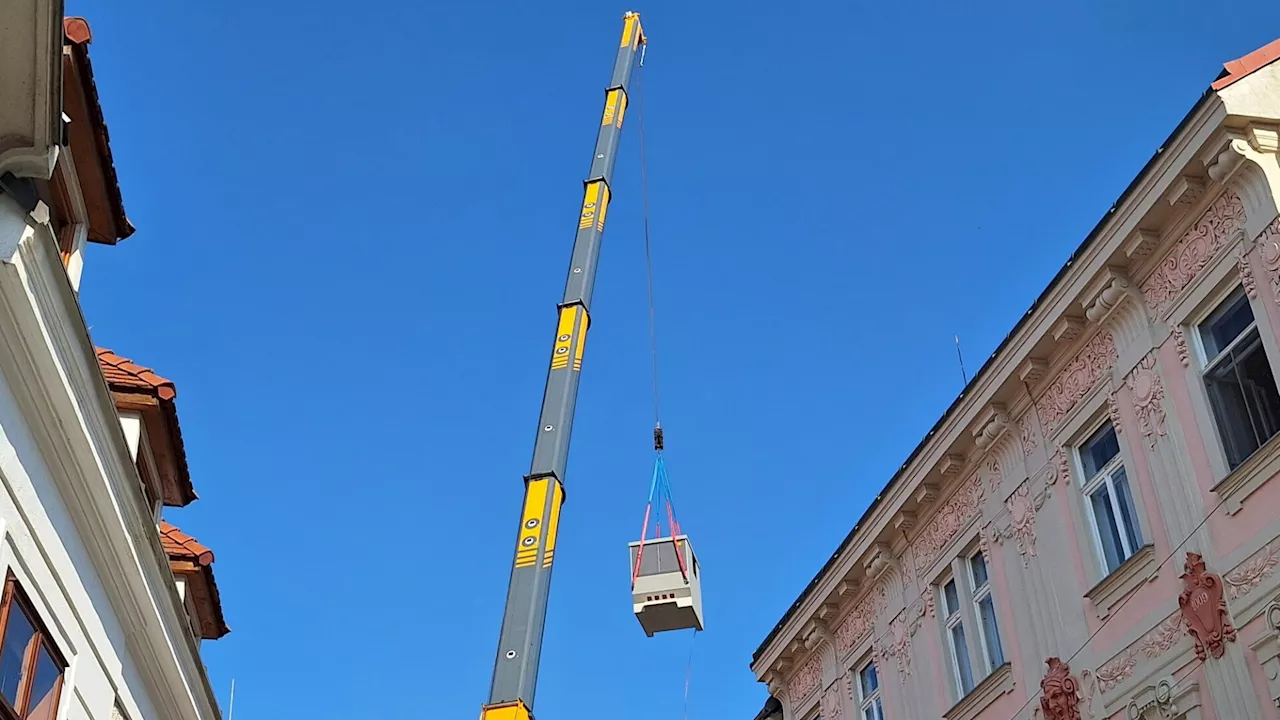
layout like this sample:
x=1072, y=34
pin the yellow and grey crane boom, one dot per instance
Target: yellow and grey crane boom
x=515, y=669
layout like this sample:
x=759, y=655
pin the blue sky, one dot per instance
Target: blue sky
x=353, y=226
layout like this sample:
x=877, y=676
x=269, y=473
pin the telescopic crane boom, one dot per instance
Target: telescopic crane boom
x=515, y=669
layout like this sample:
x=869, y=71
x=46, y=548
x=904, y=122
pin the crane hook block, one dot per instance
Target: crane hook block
x=657, y=438
x=667, y=593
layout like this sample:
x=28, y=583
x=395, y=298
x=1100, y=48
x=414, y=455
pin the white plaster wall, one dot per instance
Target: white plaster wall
x=40, y=543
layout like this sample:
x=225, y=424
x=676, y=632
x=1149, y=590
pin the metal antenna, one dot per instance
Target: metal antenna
x=960, y=357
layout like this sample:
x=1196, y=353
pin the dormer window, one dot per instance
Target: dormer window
x=192, y=566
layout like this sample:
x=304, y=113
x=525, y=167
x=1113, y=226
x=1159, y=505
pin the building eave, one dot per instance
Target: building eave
x=106, y=190
x=983, y=383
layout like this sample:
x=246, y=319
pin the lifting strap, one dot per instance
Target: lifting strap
x=659, y=494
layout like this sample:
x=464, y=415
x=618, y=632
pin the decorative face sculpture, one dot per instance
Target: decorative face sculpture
x=1060, y=697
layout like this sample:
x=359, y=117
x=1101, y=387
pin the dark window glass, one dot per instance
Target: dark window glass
x=43, y=686
x=1098, y=450
x=18, y=634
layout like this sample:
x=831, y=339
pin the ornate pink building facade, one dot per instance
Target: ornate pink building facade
x=1092, y=530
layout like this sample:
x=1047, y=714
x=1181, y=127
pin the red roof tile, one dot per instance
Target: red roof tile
x=181, y=546
x=77, y=33
x=124, y=374
x=1251, y=63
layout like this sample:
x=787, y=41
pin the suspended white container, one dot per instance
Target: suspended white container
x=667, y=593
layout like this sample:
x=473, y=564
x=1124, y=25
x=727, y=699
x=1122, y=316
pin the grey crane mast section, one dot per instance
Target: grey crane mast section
x=515, y=671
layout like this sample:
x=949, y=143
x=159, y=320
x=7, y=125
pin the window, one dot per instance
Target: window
x=1109, y=500
x=967, y=604
x=985, y=610
x=869, y=693
x=955, y=638
x=30, y=666
x=1242, y=390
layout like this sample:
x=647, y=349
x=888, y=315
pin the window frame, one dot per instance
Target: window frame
x=1090, y=485
x=950, y=619
x=967, y=614
x=870, y=707
x=1234, y=293
x=977, y=595
x=13, y=596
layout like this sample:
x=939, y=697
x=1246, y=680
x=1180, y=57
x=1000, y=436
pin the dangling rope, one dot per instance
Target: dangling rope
x=688, y=672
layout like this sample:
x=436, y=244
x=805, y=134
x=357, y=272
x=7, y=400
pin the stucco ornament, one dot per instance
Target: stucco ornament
x=1269, y=251
x=858, y=623
x=806, y=679
x=1246, y=276
x=1076, y=379
x=1059, y=692
x=1063, y=470
x=1250, y=575
x=1113, y=413
x=1204, y=609
x=954, y=515
x=832, y=708
x=1193, y=251
x=1022, y=506
x=1180, y=345
x=1148, y=398
x=1027, y=434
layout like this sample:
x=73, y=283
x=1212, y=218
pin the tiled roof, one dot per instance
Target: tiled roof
x=181, y=546
x=123, y=373
x=78, y=36
x=181, y=549
x=1243, y=67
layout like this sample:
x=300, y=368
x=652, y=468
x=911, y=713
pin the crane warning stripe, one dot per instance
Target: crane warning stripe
x=582, y=342
x=622, y=110
x=564, y=338
x=611, y=102
x=604, y=208
x=535, y=506
x=553, y=525
x=590, y=200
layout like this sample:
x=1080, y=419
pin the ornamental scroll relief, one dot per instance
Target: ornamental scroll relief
x=1022, y=507
x=861, y=620
x=1076, y=379
x=897, y=645
x=1193, y=251
x=1148, y=398
x=1252, y=572
x=954, y=515
x=1269, y=250
x=806, y=679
